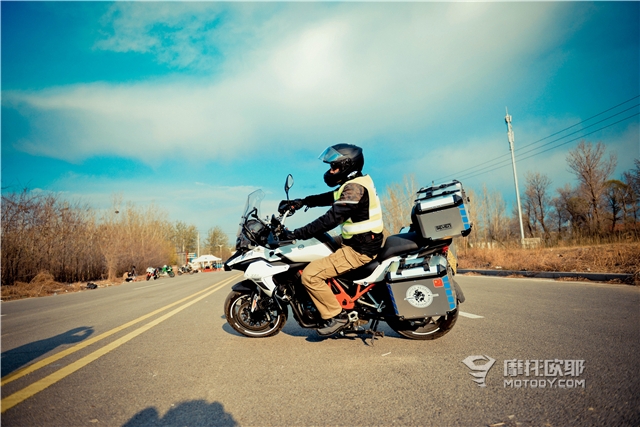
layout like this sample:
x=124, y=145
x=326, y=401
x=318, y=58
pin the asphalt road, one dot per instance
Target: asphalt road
x=160, y=353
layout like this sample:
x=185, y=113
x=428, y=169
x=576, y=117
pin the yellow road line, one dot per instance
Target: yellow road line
x=20, y=396
x=44, y=362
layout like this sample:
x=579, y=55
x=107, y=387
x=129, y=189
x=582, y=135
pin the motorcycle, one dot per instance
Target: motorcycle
x=185, y=269
x=409, y=285
x=166, y=270
x=152, y=273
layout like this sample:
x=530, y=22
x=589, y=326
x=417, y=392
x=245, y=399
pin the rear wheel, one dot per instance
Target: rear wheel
x=425, y=329
x=265, y=321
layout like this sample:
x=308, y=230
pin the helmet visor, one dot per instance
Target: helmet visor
x=330, y=155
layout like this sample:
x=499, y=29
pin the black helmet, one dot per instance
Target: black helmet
x=345, y=157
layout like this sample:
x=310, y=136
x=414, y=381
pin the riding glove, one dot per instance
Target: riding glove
x=286, y=205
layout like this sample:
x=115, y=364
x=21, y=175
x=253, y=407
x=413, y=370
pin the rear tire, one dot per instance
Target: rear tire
x=435, y=327
x=261, y=323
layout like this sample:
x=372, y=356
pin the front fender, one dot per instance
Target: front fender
x=245, y=286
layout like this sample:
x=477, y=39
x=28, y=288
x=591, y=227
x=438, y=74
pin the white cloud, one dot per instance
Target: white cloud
x=351, y=72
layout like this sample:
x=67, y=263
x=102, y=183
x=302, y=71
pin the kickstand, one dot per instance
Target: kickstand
x=374, y=331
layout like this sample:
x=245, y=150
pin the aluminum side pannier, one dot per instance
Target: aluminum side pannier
x=421, y=288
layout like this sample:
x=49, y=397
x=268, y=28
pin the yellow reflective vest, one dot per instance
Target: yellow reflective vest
x=374, y=223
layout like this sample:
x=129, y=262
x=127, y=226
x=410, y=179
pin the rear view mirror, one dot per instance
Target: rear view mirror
x=288, y=184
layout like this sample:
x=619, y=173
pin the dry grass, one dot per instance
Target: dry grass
x=606, y=258
x=44, y=284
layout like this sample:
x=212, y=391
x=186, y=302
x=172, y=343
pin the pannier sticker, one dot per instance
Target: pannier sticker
x=420, y=296
x=443, y=227
x=438, y=283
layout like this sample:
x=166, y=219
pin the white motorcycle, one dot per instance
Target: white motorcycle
x=409, y=284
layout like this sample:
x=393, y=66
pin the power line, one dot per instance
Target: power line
x=504, y=163
x=547, y=137
x=548, y=149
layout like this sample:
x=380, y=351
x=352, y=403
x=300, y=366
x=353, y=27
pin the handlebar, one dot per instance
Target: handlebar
x=273, y=242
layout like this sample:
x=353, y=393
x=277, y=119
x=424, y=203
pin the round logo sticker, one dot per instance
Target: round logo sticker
x=419, y=296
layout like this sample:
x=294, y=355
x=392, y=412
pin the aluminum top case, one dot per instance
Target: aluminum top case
x=440, y=212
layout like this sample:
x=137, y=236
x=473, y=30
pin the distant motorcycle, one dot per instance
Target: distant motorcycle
x=152, y=273
x=186, y=269
x=166, y=270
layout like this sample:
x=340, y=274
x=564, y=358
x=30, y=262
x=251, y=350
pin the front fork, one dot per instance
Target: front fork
x=258, y=304
x=254, y=301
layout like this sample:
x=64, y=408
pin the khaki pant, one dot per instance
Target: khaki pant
x=315, y=275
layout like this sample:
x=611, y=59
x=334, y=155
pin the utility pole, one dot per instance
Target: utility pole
x=507, y=119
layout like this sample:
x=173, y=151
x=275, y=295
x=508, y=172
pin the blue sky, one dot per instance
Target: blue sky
x=192, y=105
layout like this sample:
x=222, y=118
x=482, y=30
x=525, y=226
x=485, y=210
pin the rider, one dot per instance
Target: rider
x=356, y=207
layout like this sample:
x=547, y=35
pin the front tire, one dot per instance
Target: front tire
x=430, y=328
x=263, y=322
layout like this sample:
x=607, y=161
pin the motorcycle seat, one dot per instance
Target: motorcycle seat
x=360, y=272
x=399, y=244
x=394, y=245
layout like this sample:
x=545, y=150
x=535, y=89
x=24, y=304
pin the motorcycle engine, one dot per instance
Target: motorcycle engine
x=310, y=312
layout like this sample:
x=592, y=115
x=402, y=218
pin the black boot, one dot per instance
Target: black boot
x=334, y=324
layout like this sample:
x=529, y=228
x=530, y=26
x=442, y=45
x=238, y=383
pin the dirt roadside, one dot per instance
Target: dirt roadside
x=619, y=258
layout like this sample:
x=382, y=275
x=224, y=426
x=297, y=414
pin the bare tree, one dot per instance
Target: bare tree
x=132, y=236
x=592, y=169
x=397, y=203
x=42, y=233
x=536, y=196
x=184, y=238
x=576, y=208
x=491, y=218
x=632, y=180
x=616, y=197
x=528, y=216
x=217, y=243
x=559, y=217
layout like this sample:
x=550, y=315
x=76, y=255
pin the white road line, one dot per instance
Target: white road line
x=471, y=316
x=148, y=286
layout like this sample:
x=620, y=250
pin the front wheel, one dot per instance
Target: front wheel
x=430, y=328
x=266, y=320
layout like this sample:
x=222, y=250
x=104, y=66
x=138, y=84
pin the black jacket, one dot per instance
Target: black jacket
x=368, y=243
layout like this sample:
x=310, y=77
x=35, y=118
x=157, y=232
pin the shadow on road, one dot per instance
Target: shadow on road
x=292, y=329
x=23, y=355
x=191, y=413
